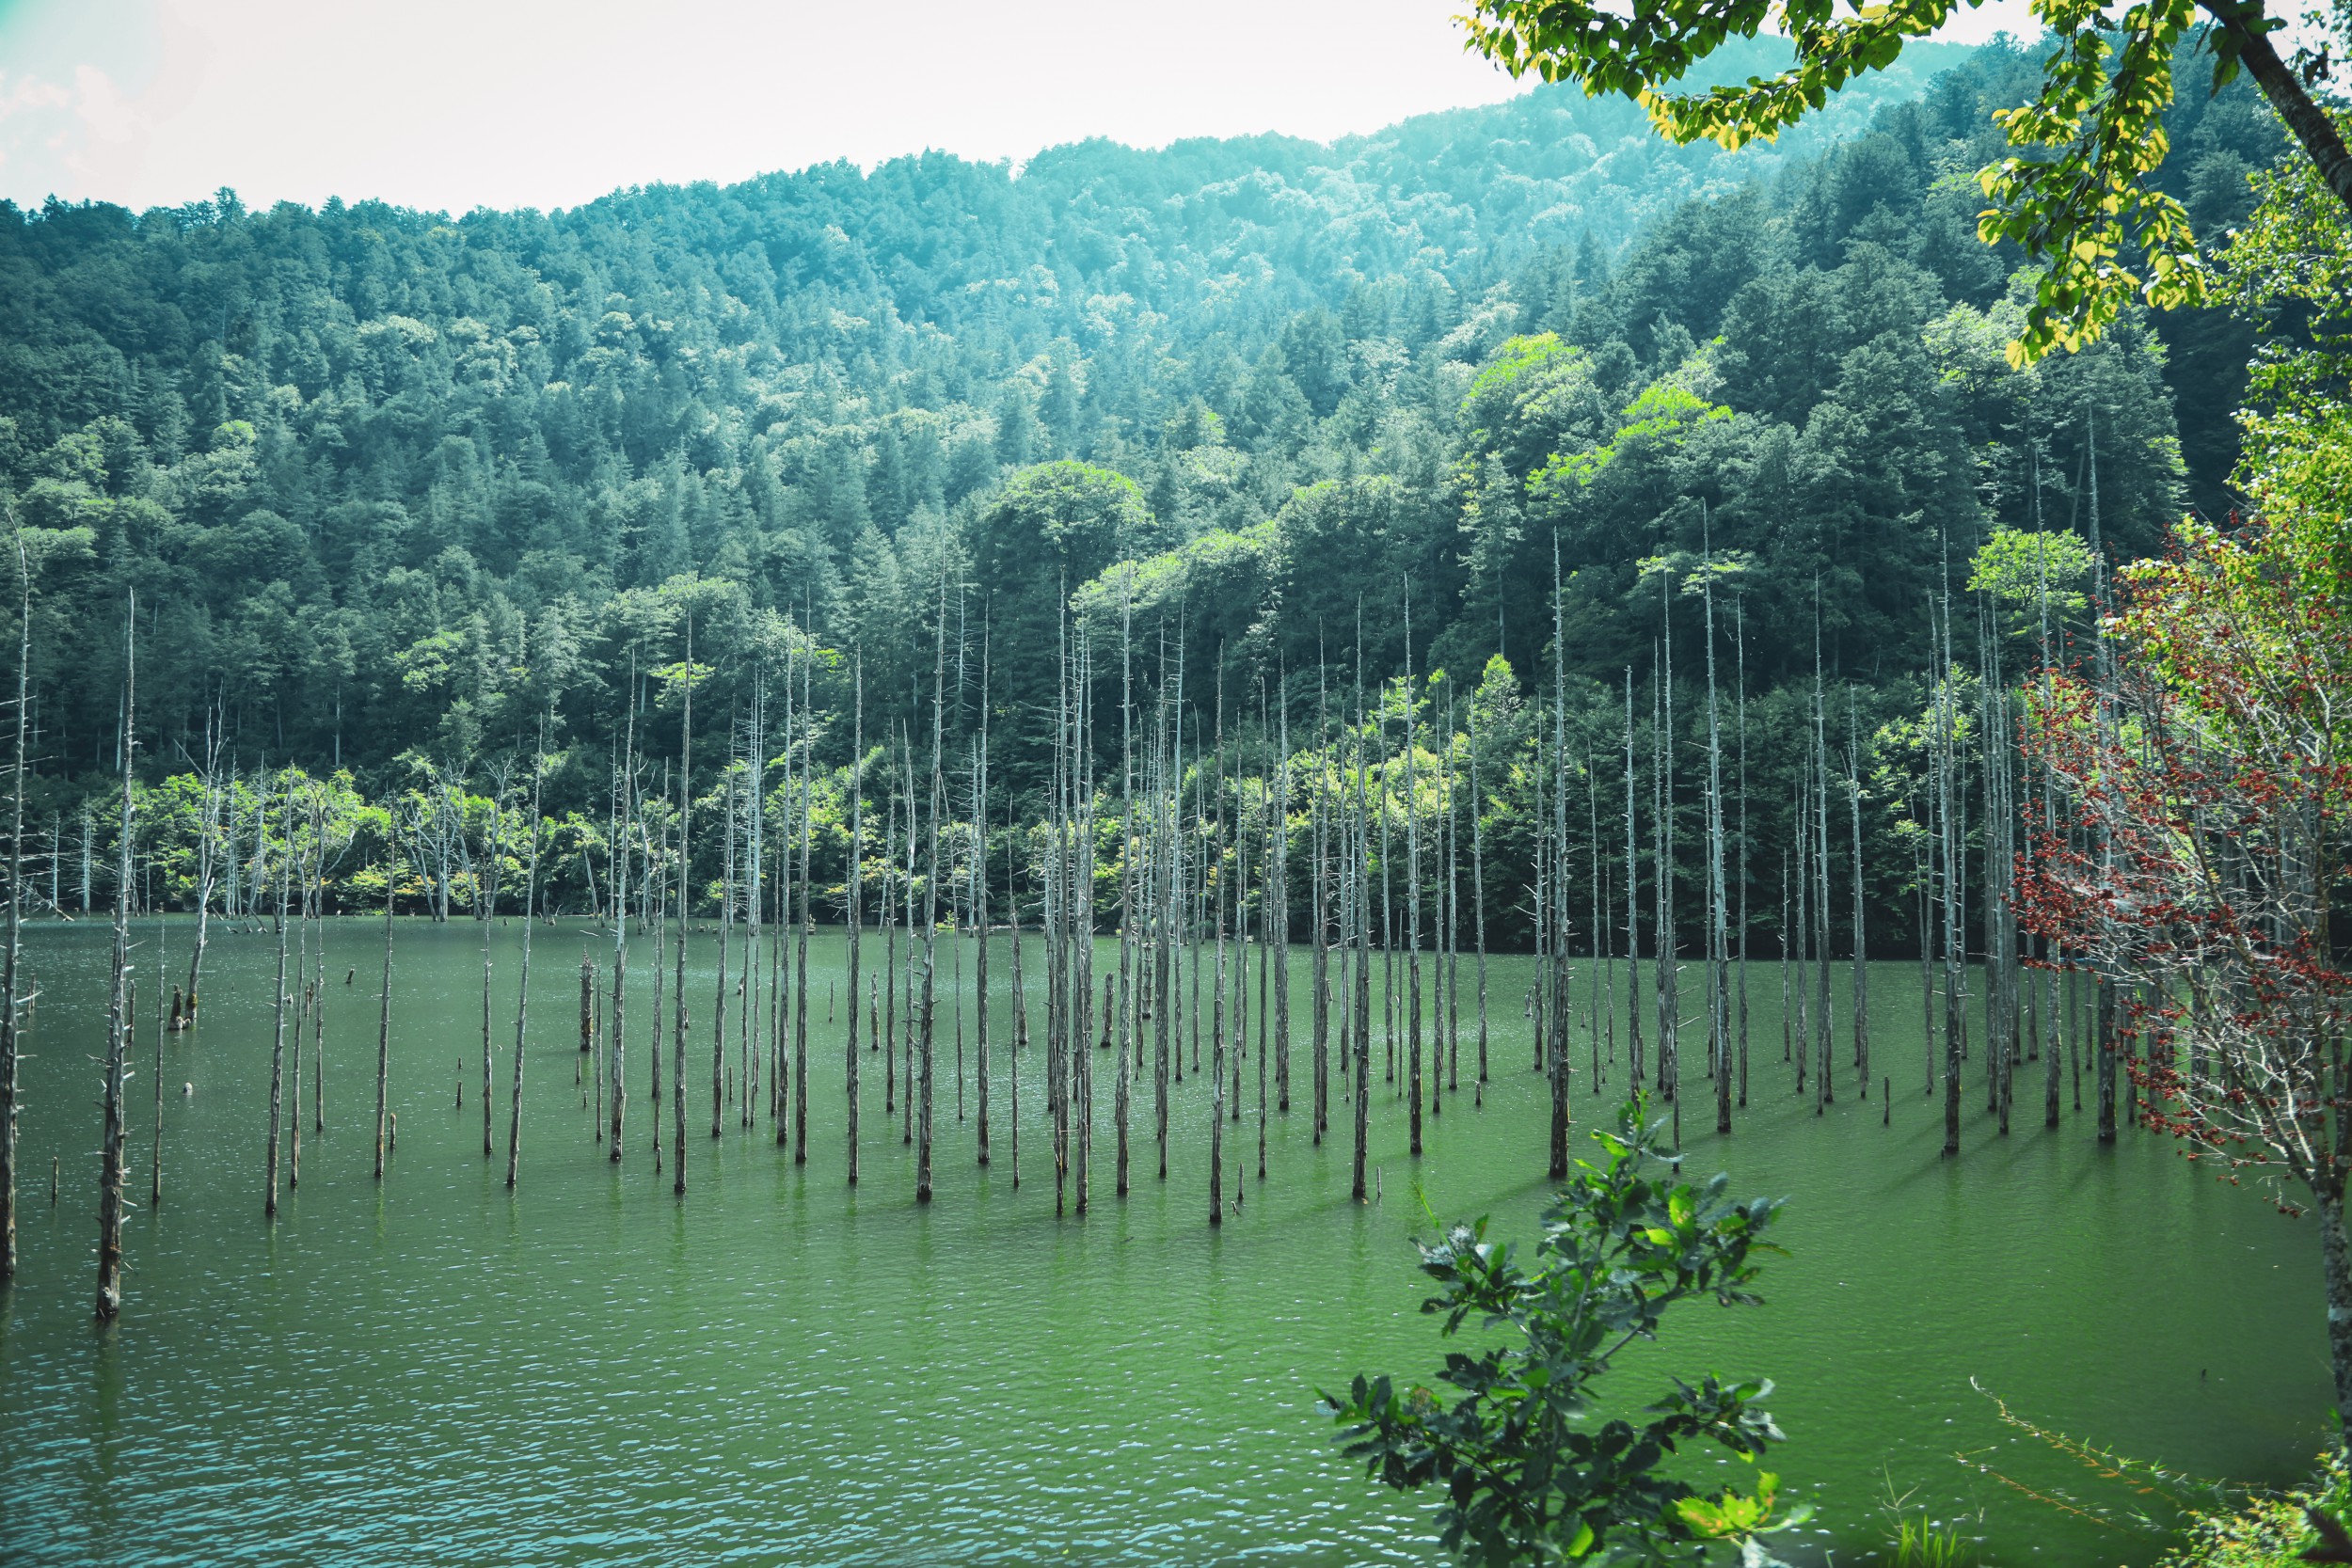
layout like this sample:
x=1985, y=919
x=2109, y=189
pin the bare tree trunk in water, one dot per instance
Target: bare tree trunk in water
x=155, y=1165
x=384, y=1017
x=1478, y=896
x=522, y=984
x=1279, y=923
x=485, y=894
x=726, y=935
x=110, y=1176
x=616, y=1036
x=1559, y=1008
x=1635, y=1065
x=1216, y=1020
x=1412, y=900
x=801, y=927
x=854, y=893
x=1861, y=964
x=930, y=901
x=685, y=906
x=11, y=980
x=980, y=892
x=1122, y=1011
x=278, y=1042
x=1360, y=863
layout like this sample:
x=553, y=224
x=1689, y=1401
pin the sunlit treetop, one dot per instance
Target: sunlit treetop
x=2077, y=194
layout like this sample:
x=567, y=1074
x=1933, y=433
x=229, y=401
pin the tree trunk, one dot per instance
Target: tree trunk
x=1129, y=847
x=1361, y=868
x=685, y=913
x=1279, y=921
x=1412, y=903
x=1216, y=1018
x=2311, y=126
x=854, y=897
x=484, y=901
x=1635, y=1065
x=726, y=937
x=522, y=985
x=624, y=810
x=110, y=1174
x=980, y=902
x=384, y=1014
x=2336, y=1269
x=278, y=1041
x=10, y=960
x=658, y=918
x=1718, y=938
x=1861, y=965
x=930, y=901
x=1319, y=914
x=801, y=927
x=1558, y=1164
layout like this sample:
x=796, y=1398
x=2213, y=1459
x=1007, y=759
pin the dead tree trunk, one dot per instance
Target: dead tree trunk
x=685, y=913
x=278, y=1041
x=930, y=899
x=522, y=983
x=110, y=1174
x=807, y=808
x=12, y=981
x=384, y=1015
x=853, y=892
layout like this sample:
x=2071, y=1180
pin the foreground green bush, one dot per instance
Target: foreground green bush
x=1529, y=1476
x=2271, y=1531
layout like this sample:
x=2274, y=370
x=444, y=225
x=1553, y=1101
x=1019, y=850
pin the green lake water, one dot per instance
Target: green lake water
x=776, y=1369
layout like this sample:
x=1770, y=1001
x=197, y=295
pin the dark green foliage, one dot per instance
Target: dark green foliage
x=2076, y=179
x=1530, y=1473
x=393, y=485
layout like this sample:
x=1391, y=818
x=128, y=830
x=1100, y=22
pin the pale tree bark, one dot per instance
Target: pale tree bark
x=731, y=783
x=853, y=896
x=1407, y=688
x=110, y=1176
x=1558, y=1011
x=1129, y=847
x=1718, y=937
x=1478, y=895
x=1360, y=857
x=685, y=913
x=807, y=805
x=10, y=960
x=623, y=813
x=937, y=806
x=278, y=1041
x=1635, y=1067
x=522, y=983
x=979, y=899
x=384, y=1014
x=1216, y=1018
x=1281, y=887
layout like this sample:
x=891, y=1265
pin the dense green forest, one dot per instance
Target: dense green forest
x=394, y=490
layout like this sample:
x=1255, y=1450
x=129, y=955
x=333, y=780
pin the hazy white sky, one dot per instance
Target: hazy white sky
x=456, y=104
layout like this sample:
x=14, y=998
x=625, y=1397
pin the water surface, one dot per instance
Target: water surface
x=776, y=1369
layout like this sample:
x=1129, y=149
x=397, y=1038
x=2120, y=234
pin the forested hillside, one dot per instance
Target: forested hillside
x=391, y=485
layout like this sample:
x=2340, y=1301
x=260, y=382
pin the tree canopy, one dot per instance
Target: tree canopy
x=393, y=484
x=2086, y=137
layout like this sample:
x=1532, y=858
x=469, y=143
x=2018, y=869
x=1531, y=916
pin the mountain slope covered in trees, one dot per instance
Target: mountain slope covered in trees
x=396, y=488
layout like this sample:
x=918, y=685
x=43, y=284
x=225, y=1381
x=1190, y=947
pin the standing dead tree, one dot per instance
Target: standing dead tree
x=11, y=979
x=522, y=985
x=110, y=1174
